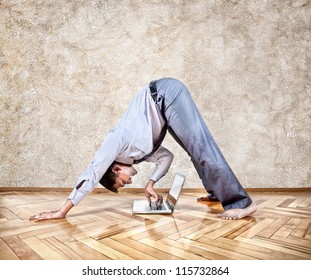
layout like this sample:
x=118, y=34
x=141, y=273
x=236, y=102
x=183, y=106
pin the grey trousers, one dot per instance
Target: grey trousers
x=188, y=128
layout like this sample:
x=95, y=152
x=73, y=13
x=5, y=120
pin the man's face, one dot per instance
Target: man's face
x=124, y=174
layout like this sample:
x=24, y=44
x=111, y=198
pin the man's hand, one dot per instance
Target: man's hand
x=151, y=193
x=57, y=214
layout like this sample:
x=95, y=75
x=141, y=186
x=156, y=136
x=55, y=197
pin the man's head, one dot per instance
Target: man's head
x=118, y=175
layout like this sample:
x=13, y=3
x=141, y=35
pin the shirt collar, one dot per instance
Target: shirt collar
x=125, y=160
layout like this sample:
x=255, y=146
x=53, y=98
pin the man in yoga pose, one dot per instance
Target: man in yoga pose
x=163, y=105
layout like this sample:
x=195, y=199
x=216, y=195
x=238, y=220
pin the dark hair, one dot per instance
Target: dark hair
x=109, y=179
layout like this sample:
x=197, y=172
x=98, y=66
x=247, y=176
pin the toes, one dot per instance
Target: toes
x=230, y=218
x=227, y=217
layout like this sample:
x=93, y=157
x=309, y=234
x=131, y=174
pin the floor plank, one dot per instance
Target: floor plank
x=6, y=253
x=21, y=249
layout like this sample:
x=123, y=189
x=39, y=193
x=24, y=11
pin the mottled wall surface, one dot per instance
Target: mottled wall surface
x=69, y=69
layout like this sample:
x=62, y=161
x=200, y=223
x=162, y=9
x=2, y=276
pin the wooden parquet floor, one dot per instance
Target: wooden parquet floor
x=103, y=227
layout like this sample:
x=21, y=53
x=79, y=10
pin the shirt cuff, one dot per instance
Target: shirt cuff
x=76, y=196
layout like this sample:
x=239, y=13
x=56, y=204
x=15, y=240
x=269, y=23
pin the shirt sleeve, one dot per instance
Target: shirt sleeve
x=163, y=158
x=103, y=158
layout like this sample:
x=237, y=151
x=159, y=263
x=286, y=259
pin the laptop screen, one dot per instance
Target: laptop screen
x=175, y=189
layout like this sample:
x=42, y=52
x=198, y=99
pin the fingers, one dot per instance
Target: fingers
x=156, y=197
x=149, y=200
x=151, y=193
x=43, y=216
x=159, y=201
x=35, y=218
x=38, y=217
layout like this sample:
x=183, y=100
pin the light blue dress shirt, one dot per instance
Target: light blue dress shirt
x=131, y=139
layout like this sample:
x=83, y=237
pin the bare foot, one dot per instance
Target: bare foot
x=235, y=214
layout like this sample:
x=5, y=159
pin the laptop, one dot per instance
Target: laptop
x=168, y=206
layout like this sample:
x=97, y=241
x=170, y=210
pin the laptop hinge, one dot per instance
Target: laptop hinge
x=170, y=205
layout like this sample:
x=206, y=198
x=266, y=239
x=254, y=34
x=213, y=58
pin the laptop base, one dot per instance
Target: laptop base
x=143, y=207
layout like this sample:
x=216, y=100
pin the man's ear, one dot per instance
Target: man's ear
x=115, y=168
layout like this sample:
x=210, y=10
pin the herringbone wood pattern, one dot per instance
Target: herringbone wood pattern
x=102, y=227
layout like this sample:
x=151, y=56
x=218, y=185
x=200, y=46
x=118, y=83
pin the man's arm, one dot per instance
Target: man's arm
x=163, y=159
x=57, y=214
x=87, y=181
x=104, y=157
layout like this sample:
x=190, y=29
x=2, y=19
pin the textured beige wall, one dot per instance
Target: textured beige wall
x=69, y=69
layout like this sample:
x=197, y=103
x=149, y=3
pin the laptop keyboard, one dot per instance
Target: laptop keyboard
x=154, y=206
